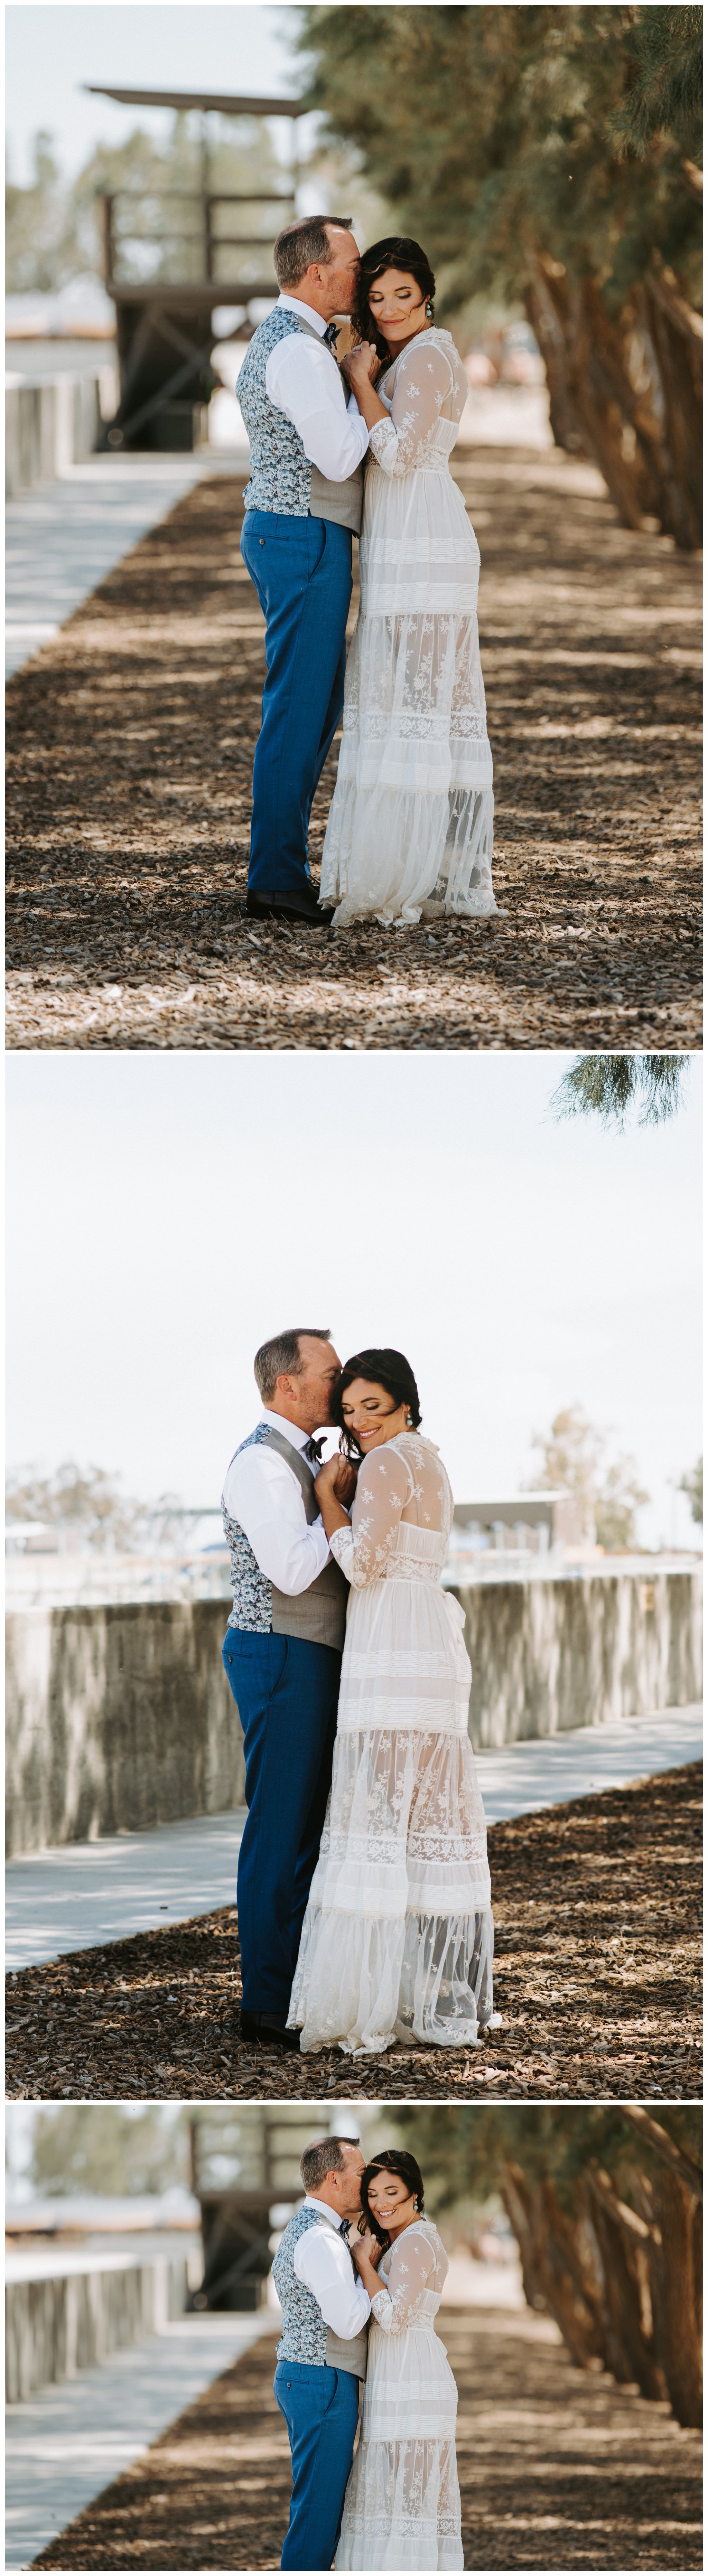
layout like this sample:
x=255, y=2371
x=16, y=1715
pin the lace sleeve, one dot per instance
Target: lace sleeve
x=423, y=383
x=412, y=2267
x=382, y=1492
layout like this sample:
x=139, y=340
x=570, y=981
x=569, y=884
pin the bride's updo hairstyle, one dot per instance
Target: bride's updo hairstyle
x=397, y=252
x=391, y=2161
x=381, y=1368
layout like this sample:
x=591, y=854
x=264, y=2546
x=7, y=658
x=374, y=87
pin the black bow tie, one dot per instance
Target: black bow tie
x=344, y=2231
x=313, y=1451
x=331, y=336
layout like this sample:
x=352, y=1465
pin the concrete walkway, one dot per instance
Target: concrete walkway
x=63, y=538
x=65, y=2445
x=79, y=1895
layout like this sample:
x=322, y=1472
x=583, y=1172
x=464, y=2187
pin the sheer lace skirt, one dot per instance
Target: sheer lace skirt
x=411, y=821
x=402, y=2506
x=398, y=1936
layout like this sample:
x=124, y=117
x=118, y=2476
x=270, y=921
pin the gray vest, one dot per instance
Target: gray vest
x=320, y=1613
x=282, y=479
x=305, y=2336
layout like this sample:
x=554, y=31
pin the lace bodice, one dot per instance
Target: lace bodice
x=412, y=2273
x=425, y=391
x=401, y=1517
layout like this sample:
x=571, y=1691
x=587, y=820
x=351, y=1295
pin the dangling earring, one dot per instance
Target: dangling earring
x=409, y=1425
x=429, y=310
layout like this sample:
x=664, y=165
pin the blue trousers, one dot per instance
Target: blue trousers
x=321, y=2408
x=302, y=569
x=286, y=1692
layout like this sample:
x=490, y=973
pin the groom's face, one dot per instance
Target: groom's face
x=307, y=1398
x=340, y=277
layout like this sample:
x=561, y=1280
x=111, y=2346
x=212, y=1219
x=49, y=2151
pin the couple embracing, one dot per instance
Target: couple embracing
x=364, y=1900
x=359, y=2274
x=363, y=448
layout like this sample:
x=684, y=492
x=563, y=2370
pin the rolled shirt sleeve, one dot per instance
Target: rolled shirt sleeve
x=323, y=2262
x=302, y=380
x=264, y=1496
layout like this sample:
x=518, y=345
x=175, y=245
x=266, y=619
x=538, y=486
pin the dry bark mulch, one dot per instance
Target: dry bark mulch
x=131, y=744
x=557, y=2468
x=598, y=1930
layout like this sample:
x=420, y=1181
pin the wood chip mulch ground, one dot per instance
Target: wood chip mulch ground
x=558, y=2469
x=131, y=742
x=598, y=1932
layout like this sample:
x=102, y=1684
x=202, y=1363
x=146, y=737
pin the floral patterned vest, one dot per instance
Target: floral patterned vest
x=282, y=479
x=318, y=1614
x=305, y=2335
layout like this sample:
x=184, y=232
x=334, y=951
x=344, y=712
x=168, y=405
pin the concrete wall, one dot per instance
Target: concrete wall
x=55, y=2327
x=550, y=1655
x=117, y=1717
x=49, y=425
x=121, y=1716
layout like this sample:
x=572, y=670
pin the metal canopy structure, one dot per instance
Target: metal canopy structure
x=160, y=317
x=209, y=102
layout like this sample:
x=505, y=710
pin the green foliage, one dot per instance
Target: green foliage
x=54, y=230
x=572, y=1455
x=692, y=1485
x=608, y=1086
x=491, y=132
x=110, y=2150
x=462, y=2151
x=85, y=1500
x=665, y=58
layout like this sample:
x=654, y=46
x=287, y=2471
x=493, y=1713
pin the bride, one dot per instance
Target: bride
x=410, y=824
x=402, y=2504
x=398, y=1936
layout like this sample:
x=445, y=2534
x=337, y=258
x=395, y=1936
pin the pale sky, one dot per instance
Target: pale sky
x=52, y=51
x=168, y=1212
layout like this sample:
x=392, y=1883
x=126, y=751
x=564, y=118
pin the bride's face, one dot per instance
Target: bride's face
x=397, y=307
x=391, y=2202
x=368, y=1412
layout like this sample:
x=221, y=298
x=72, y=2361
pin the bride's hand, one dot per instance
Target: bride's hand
x=361, y=365
x=366, y=2249
x=326, y=1478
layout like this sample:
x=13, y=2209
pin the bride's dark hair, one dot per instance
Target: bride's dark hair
x=380, y=1368
x=392, y=2161
x=398, y=251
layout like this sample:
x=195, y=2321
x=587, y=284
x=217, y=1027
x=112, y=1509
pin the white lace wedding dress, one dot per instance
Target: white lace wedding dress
x=398, y=1935
x=410, y=823
x=402, y=2505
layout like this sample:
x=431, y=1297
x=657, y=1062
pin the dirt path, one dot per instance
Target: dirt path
x=598, y=1960
x=129, y=798
x=557, y=2469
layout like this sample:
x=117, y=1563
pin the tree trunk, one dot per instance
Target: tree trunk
x=675, y=2276
x=548, y=330
x=677, y=339
x=629, y=396
x=624, y=2242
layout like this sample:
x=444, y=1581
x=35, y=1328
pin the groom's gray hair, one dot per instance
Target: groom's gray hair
x=282, y=1357
x=301, y=244
x=326, y=2157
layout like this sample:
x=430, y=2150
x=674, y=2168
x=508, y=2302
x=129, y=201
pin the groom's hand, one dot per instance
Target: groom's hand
x=344, y=1484
x=360, y=365
x=366, y=2249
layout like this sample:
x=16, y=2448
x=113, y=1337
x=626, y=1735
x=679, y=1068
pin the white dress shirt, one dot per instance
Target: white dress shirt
x=301, y=380
x=264, y=1495
x=323, y=2262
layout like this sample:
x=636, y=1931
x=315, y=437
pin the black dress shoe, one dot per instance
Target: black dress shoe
x=263, y=2032
x=284, y=906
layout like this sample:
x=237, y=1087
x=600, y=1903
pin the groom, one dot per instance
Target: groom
x=282, y=1653
x=322, y=2349
x=303, y=502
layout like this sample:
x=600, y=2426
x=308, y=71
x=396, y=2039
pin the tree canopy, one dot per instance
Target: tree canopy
x=608, y=1086
x=496, y=134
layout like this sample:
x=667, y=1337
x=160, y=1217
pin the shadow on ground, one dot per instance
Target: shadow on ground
x=558, y=2469
x=597, y=1977
x=131, y=744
